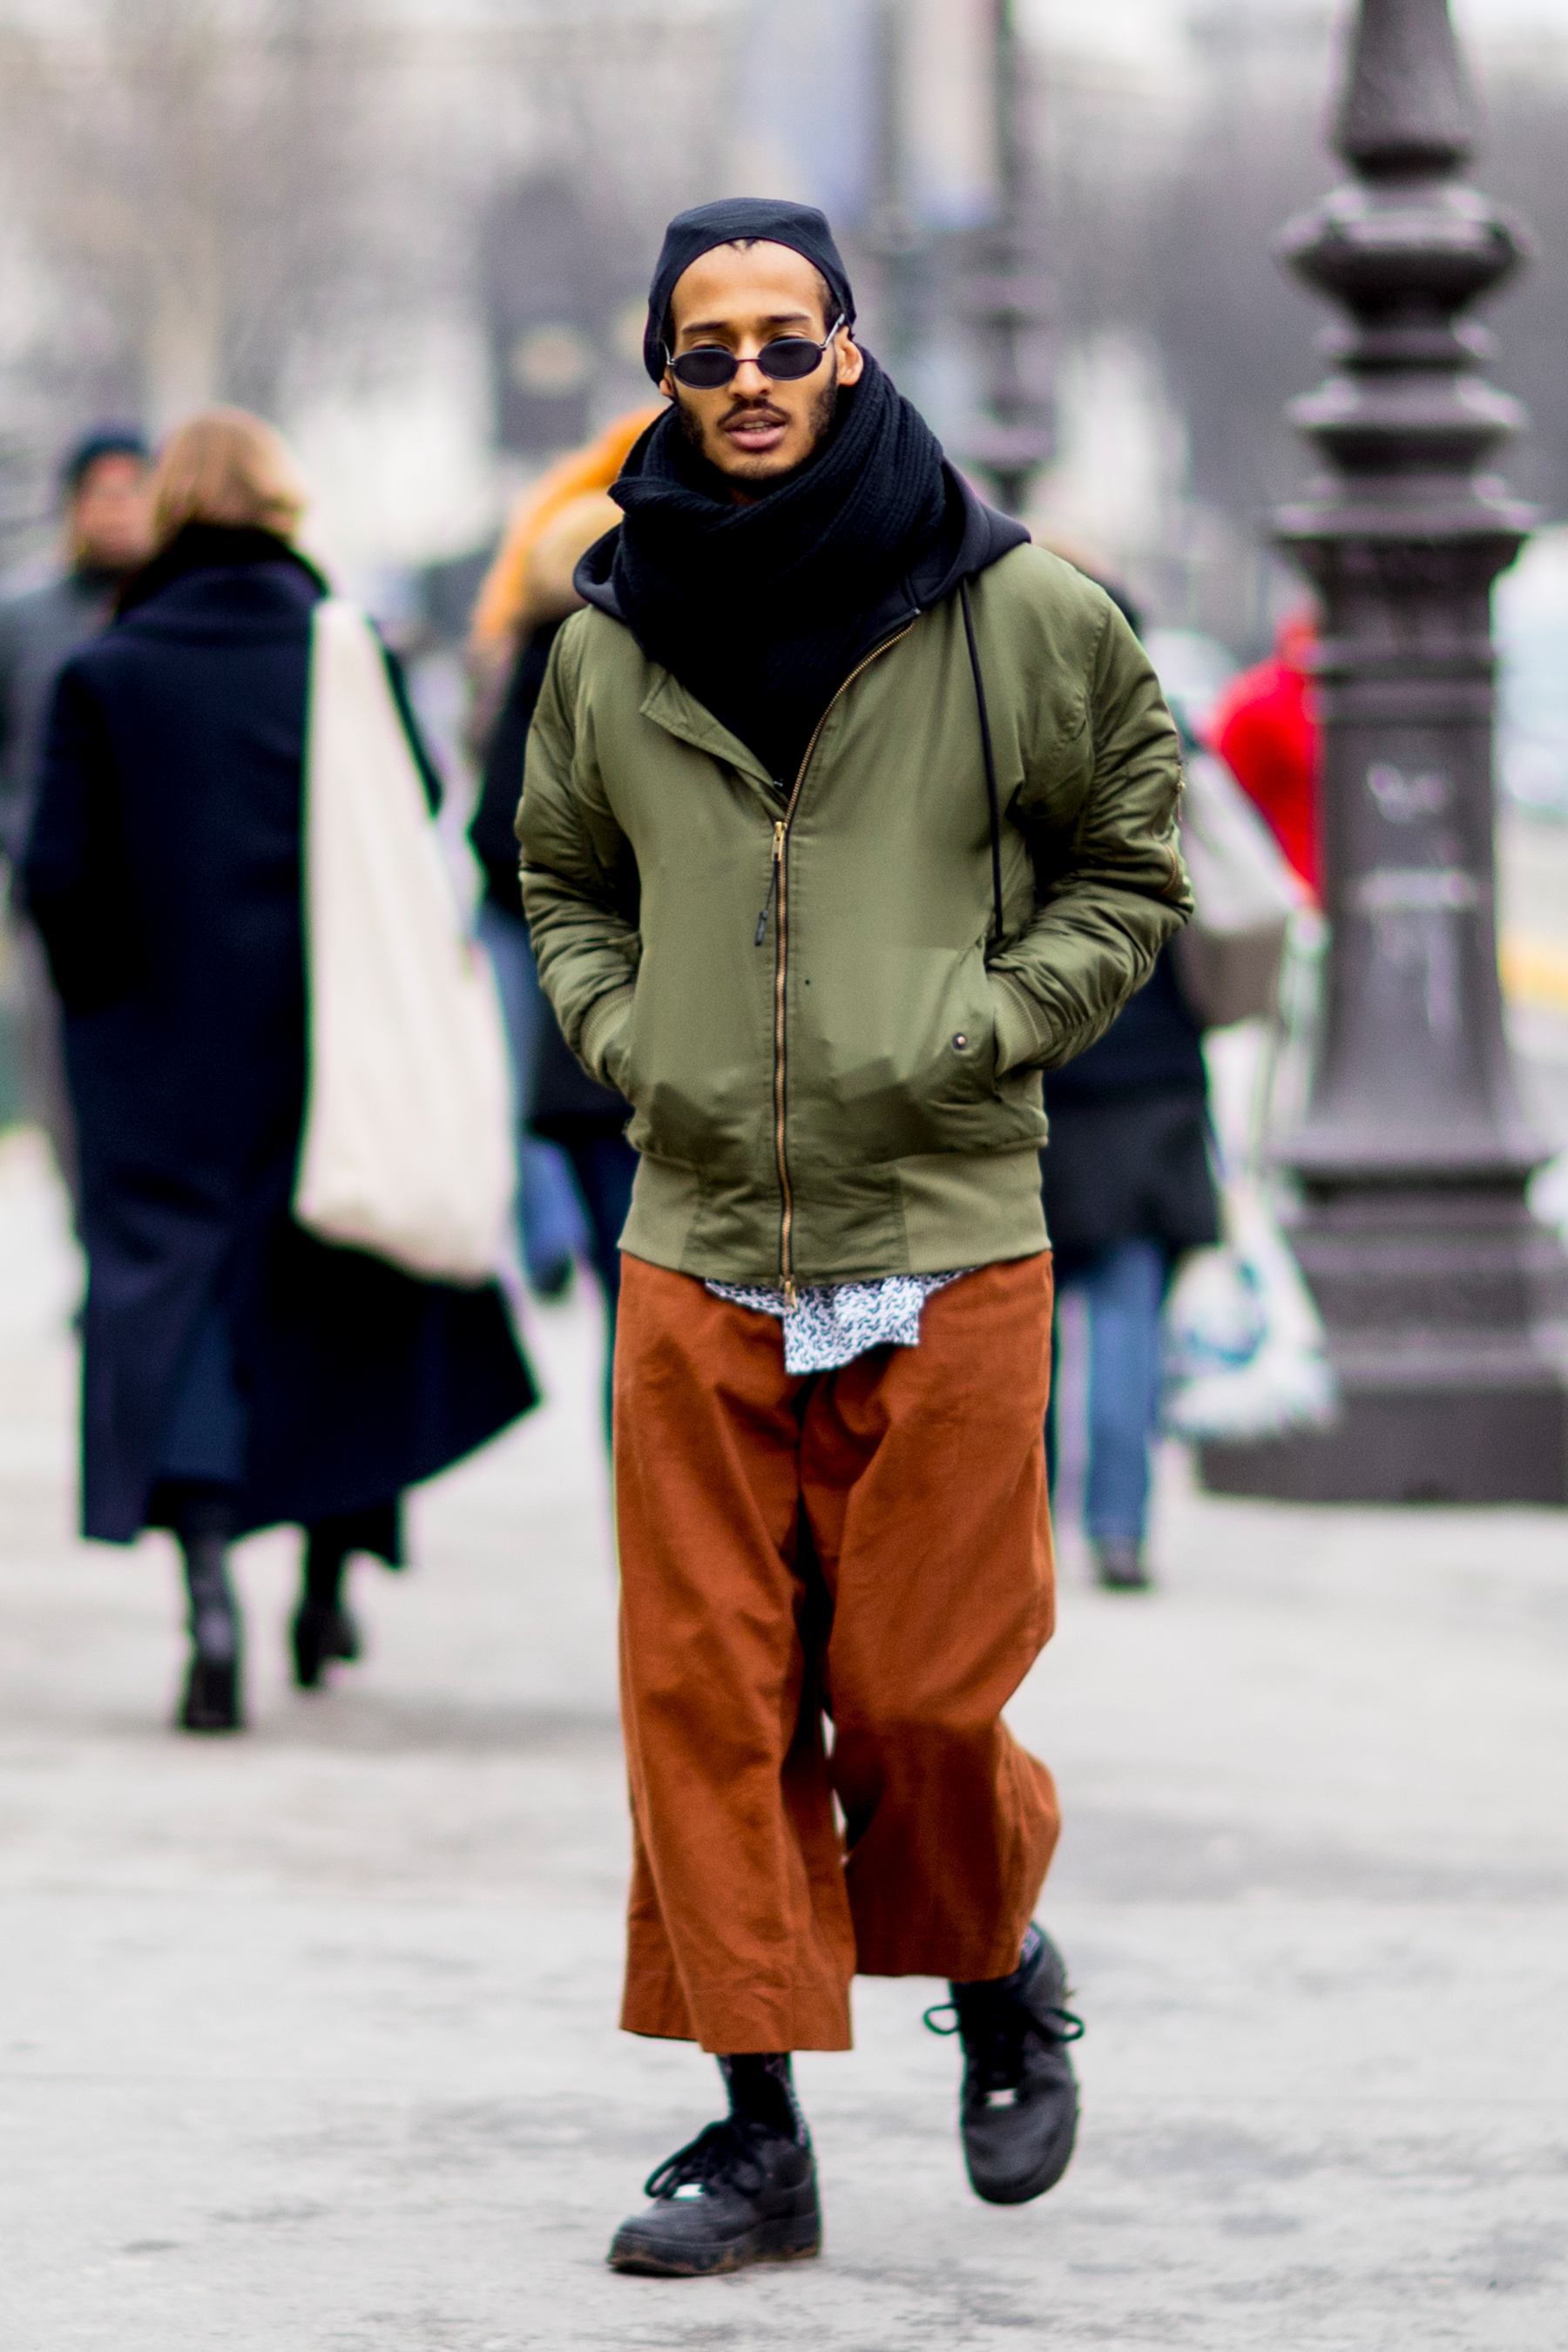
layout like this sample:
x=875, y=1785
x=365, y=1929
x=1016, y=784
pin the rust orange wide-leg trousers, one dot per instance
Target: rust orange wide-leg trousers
x=830, y=1588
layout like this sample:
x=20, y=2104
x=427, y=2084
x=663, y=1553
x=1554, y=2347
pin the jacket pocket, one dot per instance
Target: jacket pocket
x=909, y=1063
x=960, y=1058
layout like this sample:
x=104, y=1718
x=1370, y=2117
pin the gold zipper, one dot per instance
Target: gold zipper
x=780, y=958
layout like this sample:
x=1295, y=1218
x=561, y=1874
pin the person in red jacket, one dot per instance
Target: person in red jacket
x=1265, y=729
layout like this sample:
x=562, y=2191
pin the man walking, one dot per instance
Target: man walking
x=845, y=812
x=108, y=535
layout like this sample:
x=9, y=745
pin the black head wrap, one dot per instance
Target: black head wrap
x=692, y=234
x=103, y=441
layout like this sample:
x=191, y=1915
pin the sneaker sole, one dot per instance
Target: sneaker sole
x=789, y=2241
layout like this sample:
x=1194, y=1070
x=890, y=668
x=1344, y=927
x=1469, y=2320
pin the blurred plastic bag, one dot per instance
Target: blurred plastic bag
x=407, y=1147
x=1244, y=1344
x=1244, y=897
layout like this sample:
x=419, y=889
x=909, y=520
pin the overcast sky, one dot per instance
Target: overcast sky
x=1136, y=27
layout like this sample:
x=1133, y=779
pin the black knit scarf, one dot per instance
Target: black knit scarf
x=760, y=609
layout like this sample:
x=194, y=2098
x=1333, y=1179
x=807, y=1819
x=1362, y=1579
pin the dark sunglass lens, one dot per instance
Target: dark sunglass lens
x=791, y=356
x=703, y=370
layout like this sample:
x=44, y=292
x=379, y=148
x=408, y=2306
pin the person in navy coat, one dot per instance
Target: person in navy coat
x=237, y=1372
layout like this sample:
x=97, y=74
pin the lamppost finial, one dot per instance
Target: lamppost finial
x=1407, y=105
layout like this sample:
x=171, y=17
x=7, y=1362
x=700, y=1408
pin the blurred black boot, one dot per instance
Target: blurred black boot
x=212, y=1700
x=1118, y=1565
x=322, y=1628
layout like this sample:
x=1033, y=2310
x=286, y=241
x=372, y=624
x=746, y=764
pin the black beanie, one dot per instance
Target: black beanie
x=103, y=441
x=692, y=234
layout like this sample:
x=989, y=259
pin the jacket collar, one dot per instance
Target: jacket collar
x=677, y=709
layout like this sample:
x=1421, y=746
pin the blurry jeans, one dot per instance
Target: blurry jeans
x=551, y=1228
x=1123, y=1286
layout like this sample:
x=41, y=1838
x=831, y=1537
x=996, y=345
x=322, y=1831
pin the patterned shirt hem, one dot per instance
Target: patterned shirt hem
x=831, y=1323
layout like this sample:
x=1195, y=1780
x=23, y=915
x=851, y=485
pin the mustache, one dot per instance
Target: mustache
x=757, y=408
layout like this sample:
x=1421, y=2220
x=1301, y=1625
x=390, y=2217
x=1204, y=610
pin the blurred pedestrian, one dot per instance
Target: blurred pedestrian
x=103, y=486
x=558, y=1101
x=1265, y=729
x=783, y=784
x=237, y=1372
x=566, y=1197
x=1128, y=1188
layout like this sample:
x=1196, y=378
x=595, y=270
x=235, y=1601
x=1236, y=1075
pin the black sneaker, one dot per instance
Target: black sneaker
x=738, y=2194
x=1018, y=2111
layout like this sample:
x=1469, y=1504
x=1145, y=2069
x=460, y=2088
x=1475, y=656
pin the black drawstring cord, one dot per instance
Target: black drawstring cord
x=990, y=758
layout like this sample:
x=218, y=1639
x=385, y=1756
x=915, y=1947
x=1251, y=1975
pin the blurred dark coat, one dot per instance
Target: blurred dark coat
x=1128, y=1158
x=565, y=1105
x=38, y=633
x=163, y=871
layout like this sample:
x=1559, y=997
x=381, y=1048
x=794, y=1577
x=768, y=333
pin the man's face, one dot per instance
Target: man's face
x=110, y=518
x=753, y=429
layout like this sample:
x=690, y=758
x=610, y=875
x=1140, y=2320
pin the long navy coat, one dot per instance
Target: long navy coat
x=163, y=871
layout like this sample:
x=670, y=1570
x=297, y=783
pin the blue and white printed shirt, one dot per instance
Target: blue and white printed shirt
x=831, y=1323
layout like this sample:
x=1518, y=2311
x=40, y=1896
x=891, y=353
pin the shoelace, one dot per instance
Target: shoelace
x=995, y=2028
x=722, y=2151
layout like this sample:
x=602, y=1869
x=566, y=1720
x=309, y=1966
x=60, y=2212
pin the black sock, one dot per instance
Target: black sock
x=1033, y=1939
x=761, y=2087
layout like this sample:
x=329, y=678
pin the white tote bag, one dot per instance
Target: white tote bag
x=1244, y=1342
x=408, y=1149
x=1244, y=897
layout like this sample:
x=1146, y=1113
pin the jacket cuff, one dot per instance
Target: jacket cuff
x=605, y=1018
x=1023, y=1034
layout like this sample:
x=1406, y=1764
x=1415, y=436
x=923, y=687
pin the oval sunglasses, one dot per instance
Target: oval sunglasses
x=785, y=360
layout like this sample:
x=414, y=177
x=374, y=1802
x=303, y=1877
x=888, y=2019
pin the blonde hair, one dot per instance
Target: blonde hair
x=506, y=606
x=563, y=541
x=226, y=466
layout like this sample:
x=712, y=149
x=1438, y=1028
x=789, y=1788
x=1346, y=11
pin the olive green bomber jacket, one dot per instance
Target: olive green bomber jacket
x=834, y=1068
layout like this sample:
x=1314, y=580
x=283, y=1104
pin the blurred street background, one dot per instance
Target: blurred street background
x=308, y=2041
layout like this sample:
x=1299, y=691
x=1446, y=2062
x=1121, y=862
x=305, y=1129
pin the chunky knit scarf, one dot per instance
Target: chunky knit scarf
x=760, y=610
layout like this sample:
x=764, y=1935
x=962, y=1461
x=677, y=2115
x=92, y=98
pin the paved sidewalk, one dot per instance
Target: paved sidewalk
x=308, y=2039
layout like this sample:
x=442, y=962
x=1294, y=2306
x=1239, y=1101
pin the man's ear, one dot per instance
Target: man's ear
x=667, y=384
x=851, y=358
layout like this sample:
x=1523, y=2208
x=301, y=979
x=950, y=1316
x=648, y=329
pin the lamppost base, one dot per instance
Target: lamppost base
x=1446, y=1317
x=1397, y=1441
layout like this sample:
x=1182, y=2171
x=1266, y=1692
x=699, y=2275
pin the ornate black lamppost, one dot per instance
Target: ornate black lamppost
x=1445, y=1305
x=1008, y=298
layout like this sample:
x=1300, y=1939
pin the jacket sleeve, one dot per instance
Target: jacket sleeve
x=1100, y=817
x=73, y=866
x=580, y=887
